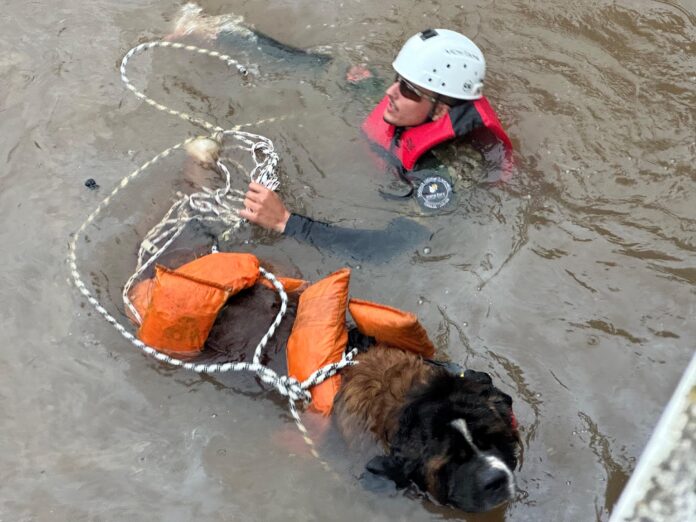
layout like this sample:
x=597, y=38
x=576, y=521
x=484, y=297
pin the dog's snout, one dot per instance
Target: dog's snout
x=494, y=481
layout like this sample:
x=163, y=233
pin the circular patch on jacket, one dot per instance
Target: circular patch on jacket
x=434, y=192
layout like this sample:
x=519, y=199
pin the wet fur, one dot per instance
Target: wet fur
x=374, y=392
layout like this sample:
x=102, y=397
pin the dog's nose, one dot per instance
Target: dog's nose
x=494, y=481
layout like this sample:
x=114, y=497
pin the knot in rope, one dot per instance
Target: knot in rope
x=291, y=388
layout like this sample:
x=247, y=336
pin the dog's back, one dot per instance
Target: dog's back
x=374, y=391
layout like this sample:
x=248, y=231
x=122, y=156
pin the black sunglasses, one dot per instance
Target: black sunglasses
x=408, y=90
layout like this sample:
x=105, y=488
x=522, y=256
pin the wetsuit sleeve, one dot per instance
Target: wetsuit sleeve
x=400, y=235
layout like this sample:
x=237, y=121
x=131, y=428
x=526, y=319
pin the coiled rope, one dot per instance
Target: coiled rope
x=207, y=206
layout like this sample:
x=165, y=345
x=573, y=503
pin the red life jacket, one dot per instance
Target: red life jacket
x=405, y=147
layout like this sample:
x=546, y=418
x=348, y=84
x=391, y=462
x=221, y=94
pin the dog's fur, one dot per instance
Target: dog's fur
x=452, y=434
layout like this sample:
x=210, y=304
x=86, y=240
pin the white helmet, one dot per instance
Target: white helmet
x=443, y=61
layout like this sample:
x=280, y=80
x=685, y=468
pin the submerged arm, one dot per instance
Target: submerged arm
x=359, y=244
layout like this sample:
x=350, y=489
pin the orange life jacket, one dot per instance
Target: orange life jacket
x=319, y=335
x=391, y=326
x=178, y=308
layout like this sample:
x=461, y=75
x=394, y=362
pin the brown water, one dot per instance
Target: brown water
x=575, y=286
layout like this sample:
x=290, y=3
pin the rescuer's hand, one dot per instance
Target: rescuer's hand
x=264, y=208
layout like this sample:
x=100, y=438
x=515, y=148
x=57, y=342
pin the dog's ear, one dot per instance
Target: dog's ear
x=396, y=469
x=479, y=377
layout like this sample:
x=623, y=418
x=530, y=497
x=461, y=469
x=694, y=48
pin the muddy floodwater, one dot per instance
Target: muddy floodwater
x=574, y=285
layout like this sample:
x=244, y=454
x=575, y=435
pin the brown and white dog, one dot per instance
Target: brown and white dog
x=453, y=434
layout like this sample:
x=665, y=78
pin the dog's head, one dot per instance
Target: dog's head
x=457, y=439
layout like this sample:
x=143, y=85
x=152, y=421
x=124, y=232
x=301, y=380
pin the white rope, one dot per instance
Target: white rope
x=207, y=206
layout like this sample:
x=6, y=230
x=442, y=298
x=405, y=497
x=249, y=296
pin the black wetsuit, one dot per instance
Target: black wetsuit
x=358, y=244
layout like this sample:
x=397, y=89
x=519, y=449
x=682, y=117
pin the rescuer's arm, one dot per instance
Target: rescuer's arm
x=265, y=208
x=359, y=244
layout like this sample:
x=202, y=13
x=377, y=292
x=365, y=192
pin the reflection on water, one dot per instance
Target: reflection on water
x=573, y=285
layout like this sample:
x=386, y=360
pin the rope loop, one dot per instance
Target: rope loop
x=214, y=206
